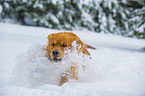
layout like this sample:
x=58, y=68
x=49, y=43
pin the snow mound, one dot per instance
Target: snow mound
x=34, y=69
x=115, y=71
x=109, y=71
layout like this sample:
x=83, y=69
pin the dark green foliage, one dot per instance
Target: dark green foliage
x=119, y=17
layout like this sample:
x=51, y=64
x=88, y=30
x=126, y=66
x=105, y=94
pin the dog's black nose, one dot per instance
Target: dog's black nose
x=55, y=53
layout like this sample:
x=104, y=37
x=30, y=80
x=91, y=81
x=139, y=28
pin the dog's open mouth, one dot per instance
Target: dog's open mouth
x=56, y=60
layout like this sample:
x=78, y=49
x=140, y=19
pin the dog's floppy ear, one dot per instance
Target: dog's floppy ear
x=50, y=36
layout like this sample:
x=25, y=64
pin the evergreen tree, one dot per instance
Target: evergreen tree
x=136, y=20
x=119, y=17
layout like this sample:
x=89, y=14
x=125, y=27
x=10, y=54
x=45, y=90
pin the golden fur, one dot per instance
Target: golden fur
x=57, y=44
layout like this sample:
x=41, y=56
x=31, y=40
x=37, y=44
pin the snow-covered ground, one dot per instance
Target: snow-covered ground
x=117, y=67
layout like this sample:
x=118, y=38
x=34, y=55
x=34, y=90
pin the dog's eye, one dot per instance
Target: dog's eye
x=53, y=44
x=64, y=45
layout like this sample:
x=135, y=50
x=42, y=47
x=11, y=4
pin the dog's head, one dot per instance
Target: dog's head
x=59, y=42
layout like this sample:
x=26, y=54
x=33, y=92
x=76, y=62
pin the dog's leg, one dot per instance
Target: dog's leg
x=73, y=72
x=64, y=79
x=70, y=74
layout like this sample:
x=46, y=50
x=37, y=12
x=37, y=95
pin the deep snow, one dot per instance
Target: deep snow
x=117, y=67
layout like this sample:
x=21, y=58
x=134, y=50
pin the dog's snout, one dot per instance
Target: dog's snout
x=55, y=52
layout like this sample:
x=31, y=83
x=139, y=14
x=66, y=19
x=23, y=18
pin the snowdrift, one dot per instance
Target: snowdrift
x=34, y=69
x=117, y=67
x=105, y=72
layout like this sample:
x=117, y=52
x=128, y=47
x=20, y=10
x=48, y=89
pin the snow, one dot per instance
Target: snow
x=38, y=5
x=34, y=69
x=1, y=8
x=52, y=17
x=117, y=67
x=6, y=5
x=30, y=21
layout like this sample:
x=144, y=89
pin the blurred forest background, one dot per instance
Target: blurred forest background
x=118, y=17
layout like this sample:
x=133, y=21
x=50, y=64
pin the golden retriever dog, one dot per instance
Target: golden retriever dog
x=58, y=43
